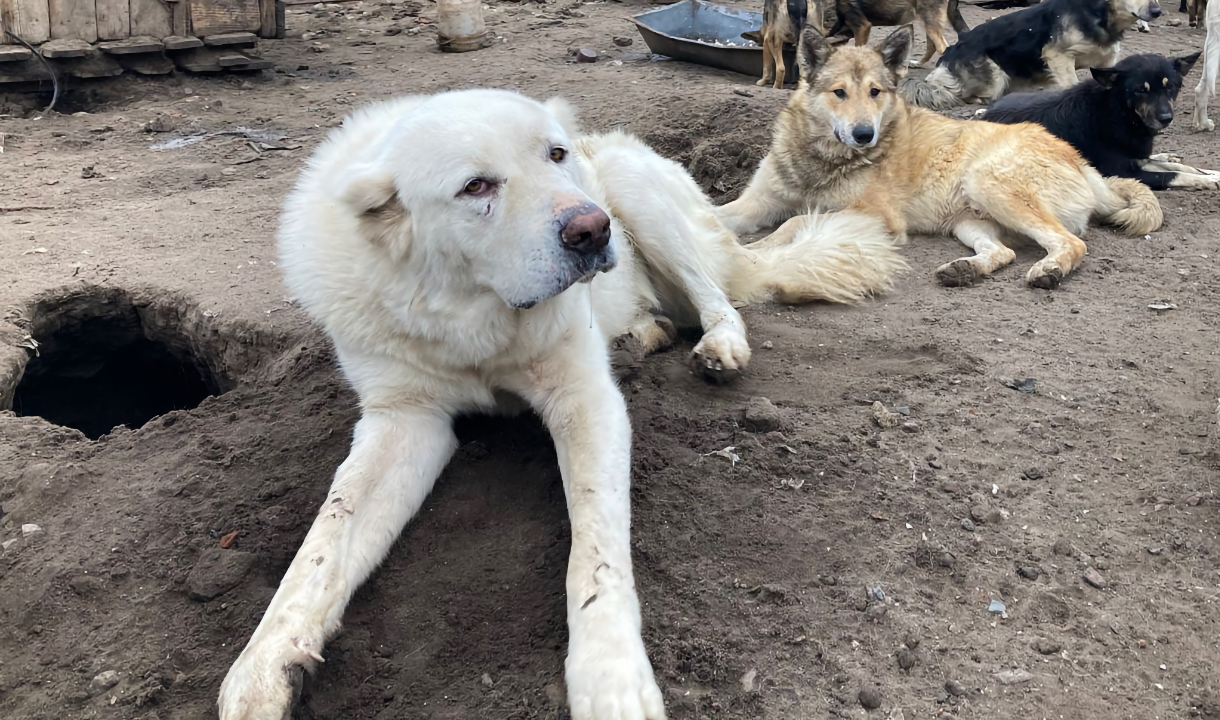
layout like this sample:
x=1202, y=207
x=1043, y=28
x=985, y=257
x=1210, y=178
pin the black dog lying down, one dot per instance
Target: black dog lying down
x=1112, y=119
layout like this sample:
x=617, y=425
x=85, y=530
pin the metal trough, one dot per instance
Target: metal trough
x=708, y=34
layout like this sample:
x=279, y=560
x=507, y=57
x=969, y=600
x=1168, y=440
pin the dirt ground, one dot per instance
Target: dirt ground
x=832, y=557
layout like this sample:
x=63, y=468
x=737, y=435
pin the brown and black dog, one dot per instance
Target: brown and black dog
x=859, y=16
x=783, y=22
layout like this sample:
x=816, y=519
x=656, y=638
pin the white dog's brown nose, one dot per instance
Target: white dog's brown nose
x=587, y=230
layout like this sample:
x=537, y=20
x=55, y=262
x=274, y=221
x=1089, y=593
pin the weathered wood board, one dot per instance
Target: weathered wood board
x=113, y=19
x=152, y=17
x=14, y=53
x=225, y=16
x=71, y=18
x=30, y=21
x=70, y=47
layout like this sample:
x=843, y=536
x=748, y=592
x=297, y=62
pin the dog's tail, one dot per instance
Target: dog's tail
x=1127, y=204
x=838, y=257
x=939, y=91
x=955, y=18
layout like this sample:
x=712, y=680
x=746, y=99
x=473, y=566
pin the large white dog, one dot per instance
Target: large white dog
x=443, y=243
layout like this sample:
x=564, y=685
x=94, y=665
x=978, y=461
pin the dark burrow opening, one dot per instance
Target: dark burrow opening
x=96, y=373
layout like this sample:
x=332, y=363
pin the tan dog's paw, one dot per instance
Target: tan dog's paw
x=721, y=354
x=266, y=680
x=959, y=273
x=1045, y=275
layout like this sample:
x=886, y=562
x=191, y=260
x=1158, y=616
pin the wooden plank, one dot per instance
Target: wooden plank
x=65, y=48
x=214, y=17
x=243, y=39
x=231, y=58
x=266, y=11
x=152, y=17
x=131, y=46
x=255, y=64
x=113, y=19
x=31, y=21
x=72, y=19
x=14, y=53
x=175, y=42
x=182, y=18
x=4, y=38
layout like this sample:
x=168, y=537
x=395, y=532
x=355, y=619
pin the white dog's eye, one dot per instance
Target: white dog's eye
x=478, y=186
x=558, y=154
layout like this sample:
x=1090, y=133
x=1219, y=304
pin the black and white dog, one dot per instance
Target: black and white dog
x=1035, y=47
x=1113, y=119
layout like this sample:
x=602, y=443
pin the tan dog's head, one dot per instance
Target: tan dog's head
x=481, y=184
x=854, y=90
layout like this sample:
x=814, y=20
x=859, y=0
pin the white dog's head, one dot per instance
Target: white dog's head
x=486, y=180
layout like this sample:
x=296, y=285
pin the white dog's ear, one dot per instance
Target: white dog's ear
x=373, y=198
x=565, y=114
x=366, y=187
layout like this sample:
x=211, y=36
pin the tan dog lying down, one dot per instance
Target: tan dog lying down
x=849, y=141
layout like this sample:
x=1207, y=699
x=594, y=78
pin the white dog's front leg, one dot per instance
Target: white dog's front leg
x=608, y=673
x=395, y=459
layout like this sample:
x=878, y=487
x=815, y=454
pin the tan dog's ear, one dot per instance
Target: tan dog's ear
x=565, y=114
x=382, y=219
x=812, y=52
x=897, y=49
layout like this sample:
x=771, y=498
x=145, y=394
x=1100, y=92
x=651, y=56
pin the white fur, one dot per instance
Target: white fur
x=437, y=301
x=1211, y=68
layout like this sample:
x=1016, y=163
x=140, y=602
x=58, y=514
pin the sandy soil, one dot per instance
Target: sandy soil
x=832, y=557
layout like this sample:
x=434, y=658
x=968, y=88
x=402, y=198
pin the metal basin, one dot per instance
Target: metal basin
x=708, y=34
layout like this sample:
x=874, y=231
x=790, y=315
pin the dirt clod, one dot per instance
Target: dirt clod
x=870, y=697
x=1029, y=572
x=216, y=572
x=955, y=688
x=1094, y=578
x=761, y=416
x=102, y=682
x=87, y=585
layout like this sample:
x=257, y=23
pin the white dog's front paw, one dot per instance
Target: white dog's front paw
x=722, y=353
x=1142, y=26
x=1206, y=125
x=1165, y=157
x=266, y=680
x=609, y=678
